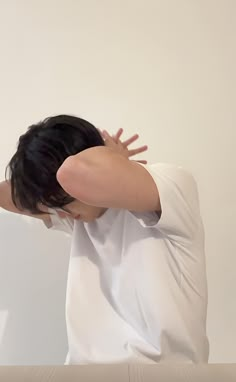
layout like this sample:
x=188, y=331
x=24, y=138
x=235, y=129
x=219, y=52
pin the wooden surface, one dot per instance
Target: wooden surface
x=120, y=373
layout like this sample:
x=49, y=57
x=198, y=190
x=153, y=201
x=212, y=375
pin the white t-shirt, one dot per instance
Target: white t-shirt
x=137, y=288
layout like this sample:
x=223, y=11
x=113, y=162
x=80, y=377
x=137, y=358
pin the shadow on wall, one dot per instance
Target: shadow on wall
x=33, y=274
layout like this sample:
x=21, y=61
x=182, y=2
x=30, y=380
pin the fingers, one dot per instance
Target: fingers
x=126, y=143
x=118, y=134
x=139, y=161
x=104, y=134
x=142, y=161
x=137, y=151
x=131, y=140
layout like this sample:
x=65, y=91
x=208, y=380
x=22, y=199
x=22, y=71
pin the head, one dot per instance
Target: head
x=40, y=153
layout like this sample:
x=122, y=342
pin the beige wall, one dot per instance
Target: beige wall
x=164, y=69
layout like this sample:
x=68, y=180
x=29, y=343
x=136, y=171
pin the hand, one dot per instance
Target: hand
x=115, y=143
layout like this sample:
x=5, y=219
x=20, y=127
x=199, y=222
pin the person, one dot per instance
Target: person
x=137, y=286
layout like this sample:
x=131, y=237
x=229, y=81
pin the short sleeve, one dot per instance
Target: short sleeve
x=180, y=211
x=57, y=223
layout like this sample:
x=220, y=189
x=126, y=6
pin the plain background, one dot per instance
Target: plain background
x=163, y=69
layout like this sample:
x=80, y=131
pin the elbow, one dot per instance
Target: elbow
x=69, y=176
x=65, y=175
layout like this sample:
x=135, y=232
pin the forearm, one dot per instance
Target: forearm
x=5, y=197
x=7, y=204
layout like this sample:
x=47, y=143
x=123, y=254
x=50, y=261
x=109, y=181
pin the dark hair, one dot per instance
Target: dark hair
x=40, y=153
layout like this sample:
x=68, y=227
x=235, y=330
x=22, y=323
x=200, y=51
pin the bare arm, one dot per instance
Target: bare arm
x=7, y=204
x=108, y=179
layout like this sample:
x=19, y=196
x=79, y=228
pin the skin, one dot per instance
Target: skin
x=86, y=212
